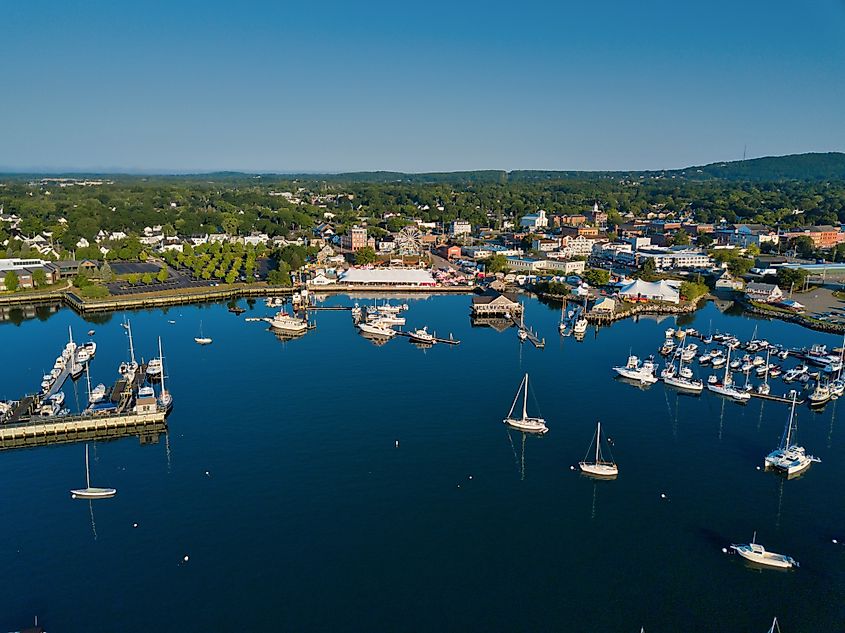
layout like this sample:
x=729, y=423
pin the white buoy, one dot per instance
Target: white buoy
x=185, y=559
x=724, y=550
x=835, y=541
x=662, y=495
x=134, y=525
x=572, y=468
x=207, y=474
x=758, y=468
x=397, y=444
x=470, y=476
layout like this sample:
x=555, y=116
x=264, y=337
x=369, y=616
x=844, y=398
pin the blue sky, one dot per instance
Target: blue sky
x=416, y=86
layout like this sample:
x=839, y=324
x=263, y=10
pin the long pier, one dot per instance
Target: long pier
x=39, y=431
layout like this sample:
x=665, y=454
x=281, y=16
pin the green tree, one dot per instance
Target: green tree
x=162, y=274
x=39, y=277
x=496, y=264
x=231, y=223
x=704, y=239
x=132, y=278
x=692, y=290
x=804, y=246
x=147, y=278
x=789, y=278
x=106, y=273
x=597, y=277
x=740, y=266
x=366, y=255
x=11, y=281
x=649, y=269
x=681, y=238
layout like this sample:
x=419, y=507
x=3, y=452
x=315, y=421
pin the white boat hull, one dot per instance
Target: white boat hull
x=599, y=470
x=692, y=386
x=529, y=425
x=376, y=331
x=93, y=493
x=639, y=376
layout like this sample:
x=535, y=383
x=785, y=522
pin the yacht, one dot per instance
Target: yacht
x=599, y=467
x=525, y=422
x=718, y=360
x=789, y=458
x=685, y=383
x=76, y=370
x=386, y=318
x=641, y=371
x=288, y=323
x=97, y=393
x=756, y=553
x=377, y=328
x=705, y=358
x=795, y=373
x=421, y=336
x=581, y=322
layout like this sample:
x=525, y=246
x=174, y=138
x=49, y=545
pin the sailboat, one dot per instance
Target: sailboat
x=598, y=467
x=763, y=388
x=565, y=320
x=789, y=458
x=88, y=492
x=681, y=378
x=522, y=333
x=165, y=400
x=202, y=340
x=727, y=387
x=127, y=370
x=775, y=627
x=525, y=423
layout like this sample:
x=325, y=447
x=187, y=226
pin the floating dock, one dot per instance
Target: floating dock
x=774, y=398
x=40, y=431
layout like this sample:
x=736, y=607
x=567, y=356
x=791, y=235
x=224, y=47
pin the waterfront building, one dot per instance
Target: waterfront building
x=494, y=303
x=675, y=258
x=536, y=265
x=356, y=239
x=24, y=269
x=388, y=277
x=766, y=293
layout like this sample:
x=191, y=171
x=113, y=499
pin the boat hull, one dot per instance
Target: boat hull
x=93, y=493
x=605, y=471
x=528, y=425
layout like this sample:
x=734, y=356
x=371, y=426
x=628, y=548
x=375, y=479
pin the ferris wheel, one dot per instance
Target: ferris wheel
x=409, y=241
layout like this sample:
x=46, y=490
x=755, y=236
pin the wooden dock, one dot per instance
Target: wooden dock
x=40, y=431
x=529, y=333
x=774, y=398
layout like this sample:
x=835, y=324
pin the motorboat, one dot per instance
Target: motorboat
x=789, y=458
x=598, y=467
x=285, y=322
x=421, y=336
x=377, y=328
x=641, y=371
x=154, y=368
x=756, y=553
x=820, y=395
x=525, y=422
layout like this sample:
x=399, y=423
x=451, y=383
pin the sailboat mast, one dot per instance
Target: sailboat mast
x=87, y=470
x=161, y=358
x=88, y=378
x=789, y=426
x=598, y=441
x=131, y=345
x=70, y=333
x=525, y=400
x=727, y=368
x=766, y=376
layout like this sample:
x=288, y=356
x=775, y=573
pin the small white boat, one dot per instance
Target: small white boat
x=165, y=400
x=599, y=467
x=76, y=370
x=88, y=492
x=202, y=340
x=154, y=368
x=756, y=553
x=421, y=336
x=820, y=395
x=377, y=328
x=718, y=361
x=525, y=422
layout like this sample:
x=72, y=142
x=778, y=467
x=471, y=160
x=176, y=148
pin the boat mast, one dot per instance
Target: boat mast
x=131, y=346
x=87, y=471
x=766, y=375
x=789, y=424
x=161, y=358
x=525, y=400
x=70, y=333
x=727, y=380
x=598, y=441
x=88, y=377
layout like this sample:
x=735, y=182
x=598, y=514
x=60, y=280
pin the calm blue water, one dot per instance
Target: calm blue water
x=311, y=519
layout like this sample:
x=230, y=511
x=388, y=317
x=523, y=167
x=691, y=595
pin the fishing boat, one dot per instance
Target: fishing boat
x=789, y=458
x=525, y=422
x=285, y=322
x=599, y=467
x=422, y=336
x=756, y=553
x=201, y=339
x=641, y=371
x=88, y=492
x=820, y=395
x=726, y=387
x=377, y=328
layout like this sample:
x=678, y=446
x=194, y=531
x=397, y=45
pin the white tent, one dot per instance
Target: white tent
x=656, y=291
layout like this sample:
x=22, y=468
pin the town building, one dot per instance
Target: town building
x=534, y=221
x=765, y=293
x=494, y=303
x=569, y=220
x=526, y=265
x=824, y=236
x=596, y=216
x=675, y=258
x=25, y=269
x=416, y=277
x=355, y=239
x=583, y=230
x=460, y=227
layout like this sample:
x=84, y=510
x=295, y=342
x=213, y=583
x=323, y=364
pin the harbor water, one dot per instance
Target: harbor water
x=328, y=483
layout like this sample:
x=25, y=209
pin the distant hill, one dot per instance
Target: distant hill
x=814, y=166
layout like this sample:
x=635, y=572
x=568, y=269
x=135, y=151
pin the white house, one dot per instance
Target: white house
x=460, y=227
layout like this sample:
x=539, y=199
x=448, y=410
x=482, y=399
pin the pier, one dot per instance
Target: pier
x=41, y=431
x=529, y=333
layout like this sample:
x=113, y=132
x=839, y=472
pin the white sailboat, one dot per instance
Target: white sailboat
x=165, y=400
x=682, y=378
x=127, y=370
x=756, y=553
x=96, y=394
x=525, y=423
x=727, y=387
x=88, y=492
x=789, y=458
x=202, y=340
x=522, y=333
x=763, y=388
x=599, y=467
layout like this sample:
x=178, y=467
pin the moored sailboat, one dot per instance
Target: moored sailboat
x=599, y=467
x=88, y=492
x=788, y=458
x=525, y=422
